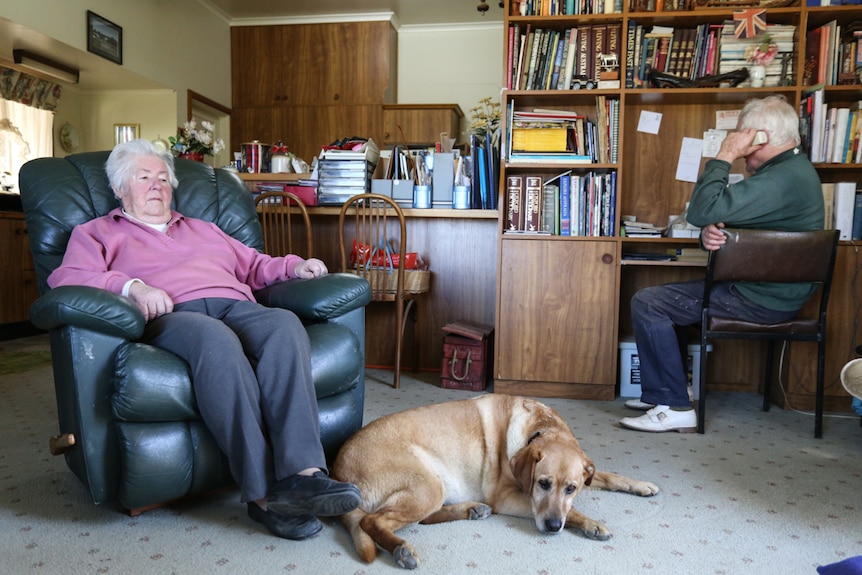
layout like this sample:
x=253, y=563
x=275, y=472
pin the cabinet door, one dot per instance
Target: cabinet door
x=16, y=269
x=556, y=320
x=256, y=59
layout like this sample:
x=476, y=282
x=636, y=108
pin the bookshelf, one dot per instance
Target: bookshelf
x=562, y=301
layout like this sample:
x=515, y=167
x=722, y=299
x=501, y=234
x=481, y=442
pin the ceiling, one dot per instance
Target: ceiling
x=406, y=12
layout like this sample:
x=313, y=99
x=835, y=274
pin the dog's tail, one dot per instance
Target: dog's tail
x=364, y=544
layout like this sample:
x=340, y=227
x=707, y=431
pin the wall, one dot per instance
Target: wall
x=174, y=45
x=450, y=64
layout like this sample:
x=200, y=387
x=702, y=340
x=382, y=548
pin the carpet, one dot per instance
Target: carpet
x=21, y=361
x=757, y=494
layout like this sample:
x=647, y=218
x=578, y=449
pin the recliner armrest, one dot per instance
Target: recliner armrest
x=318, y=299
x=90, y=308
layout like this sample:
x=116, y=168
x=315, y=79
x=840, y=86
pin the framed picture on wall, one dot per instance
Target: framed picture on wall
x=104, y=38
x=126, y=132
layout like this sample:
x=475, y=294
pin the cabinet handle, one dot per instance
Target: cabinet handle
x=336, y=97
x=21, y=232
x=607, y=258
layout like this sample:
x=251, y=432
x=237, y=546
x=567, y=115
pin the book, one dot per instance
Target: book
x=828, y=189
x=631, y=34
x=550, y=207
x=514, y=203
x=839, y=147
x=856, y=232
x=529, y=139
x=566, y=205
x=845, y=202
x=532, y=203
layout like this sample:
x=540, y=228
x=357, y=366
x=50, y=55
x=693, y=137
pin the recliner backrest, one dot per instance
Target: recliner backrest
x=60, y=193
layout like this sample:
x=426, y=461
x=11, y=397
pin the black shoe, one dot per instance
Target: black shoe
x=317, y=495
x=296, y=527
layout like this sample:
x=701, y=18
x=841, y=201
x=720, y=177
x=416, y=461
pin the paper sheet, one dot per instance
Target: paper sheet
x=689, y=159
x=649, y=122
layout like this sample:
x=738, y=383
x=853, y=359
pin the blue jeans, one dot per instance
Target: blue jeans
x=656, y=313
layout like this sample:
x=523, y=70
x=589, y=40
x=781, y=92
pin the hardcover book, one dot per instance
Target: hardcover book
x=514, y=203
x=533, y=204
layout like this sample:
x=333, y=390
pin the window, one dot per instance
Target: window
x=26, y=133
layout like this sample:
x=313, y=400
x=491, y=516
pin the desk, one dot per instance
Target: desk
x=460, y=247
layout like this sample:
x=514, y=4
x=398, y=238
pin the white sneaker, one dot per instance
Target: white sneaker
x=663, y=418
x=638, y=404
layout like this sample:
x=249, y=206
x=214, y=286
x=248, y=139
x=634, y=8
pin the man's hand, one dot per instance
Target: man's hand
x=711, y=237
x=310, y=268
x=738, y=145
x=152, y=301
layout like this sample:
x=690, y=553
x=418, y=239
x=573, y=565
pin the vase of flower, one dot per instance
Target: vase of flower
x=194, y=156
x=757, y=75
x=194, y=143
x=760, y=55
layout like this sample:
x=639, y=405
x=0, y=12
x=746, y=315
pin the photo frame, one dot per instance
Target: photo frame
x=126, y=132
x=104, y=38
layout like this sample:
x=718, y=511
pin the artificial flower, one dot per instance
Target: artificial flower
x=191, y=139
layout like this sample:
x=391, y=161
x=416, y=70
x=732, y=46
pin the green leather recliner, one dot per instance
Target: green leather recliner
x=129, y=407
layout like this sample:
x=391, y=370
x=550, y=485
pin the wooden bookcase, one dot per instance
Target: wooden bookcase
x=563, y=302
x=19, y=275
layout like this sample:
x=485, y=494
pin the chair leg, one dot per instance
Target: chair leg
x=818, y=402
x=399, y=341
x=701, y=385
x=767, y=384
x=411, y=314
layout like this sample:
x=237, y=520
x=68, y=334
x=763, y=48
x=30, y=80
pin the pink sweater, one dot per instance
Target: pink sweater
x=193, y=259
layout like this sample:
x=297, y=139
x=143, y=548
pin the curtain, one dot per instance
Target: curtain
x=26, y=89
x=26, y=133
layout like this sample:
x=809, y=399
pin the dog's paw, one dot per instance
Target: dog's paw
x=645, y=489
x=596, y=530
x=481, y=511
x=404, y=557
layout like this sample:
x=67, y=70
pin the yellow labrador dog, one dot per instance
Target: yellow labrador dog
x=466, y=460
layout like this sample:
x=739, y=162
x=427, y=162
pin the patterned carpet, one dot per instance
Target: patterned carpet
x=755, y=494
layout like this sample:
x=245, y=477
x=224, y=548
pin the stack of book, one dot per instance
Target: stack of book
x=636, y=229
x=733, y=51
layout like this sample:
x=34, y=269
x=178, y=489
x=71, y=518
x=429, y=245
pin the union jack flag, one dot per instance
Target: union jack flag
x=749, y=22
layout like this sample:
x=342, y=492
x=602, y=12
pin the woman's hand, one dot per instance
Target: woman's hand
x=712, y=237
x=152, y=301
x=310, y=268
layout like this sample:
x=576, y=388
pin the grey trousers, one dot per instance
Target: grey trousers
x=657, y=310
x=251, y=374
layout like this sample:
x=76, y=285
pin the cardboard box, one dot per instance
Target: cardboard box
x=399, y=190
x=630, y=385
x=443, y=179
x=308, y=194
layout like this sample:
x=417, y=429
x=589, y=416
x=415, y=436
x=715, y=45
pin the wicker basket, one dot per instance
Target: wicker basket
x=415, y=281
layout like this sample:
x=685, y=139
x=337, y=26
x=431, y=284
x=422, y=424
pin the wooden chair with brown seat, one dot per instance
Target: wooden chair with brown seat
x=368, y=222
x=772, y=256
x=286, y=225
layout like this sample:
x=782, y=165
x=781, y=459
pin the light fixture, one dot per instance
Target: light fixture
x=45, y=66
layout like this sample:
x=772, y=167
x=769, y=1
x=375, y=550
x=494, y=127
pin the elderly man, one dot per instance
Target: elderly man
x=782, y=193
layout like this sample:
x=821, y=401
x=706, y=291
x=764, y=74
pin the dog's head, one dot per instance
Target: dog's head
x=551, y=471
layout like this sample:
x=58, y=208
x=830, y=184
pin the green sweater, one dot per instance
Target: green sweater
x=783, y=194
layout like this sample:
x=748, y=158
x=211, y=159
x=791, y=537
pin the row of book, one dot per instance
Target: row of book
x=567, y=7
x=552, y=136
x=660, y=5
x=843, y=209
x=548, y=59
x=705, y=50
x=566, y=205
x=833, y=54
x=830, y=133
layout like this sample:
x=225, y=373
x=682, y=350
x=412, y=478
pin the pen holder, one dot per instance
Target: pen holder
x=461, y=197
x=421, y=196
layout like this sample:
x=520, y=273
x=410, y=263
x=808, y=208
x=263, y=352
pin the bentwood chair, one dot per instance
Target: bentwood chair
x=366, y=223
x=772, y=256
x=284, y=218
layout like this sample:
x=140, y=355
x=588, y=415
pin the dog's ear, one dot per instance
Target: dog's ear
x=523, y=464
x=589, y=472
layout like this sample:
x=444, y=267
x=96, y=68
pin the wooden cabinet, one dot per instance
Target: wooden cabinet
x=341, y=64
x=558, y=332
x=420, y=123
x=19, y=287
x=539, y=331
x=310, y=84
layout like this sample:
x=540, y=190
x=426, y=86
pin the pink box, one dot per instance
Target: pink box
x=308, y=194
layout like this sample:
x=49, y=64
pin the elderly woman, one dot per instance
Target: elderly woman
x=251, y=365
